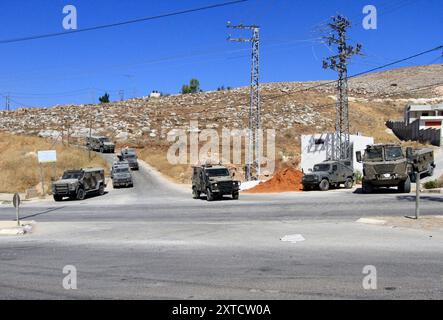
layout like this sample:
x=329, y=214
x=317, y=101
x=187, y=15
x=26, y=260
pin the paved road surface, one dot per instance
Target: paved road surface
x=154, y=241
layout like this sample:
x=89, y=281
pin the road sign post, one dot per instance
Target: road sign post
x=417, y=195
x=16, y=201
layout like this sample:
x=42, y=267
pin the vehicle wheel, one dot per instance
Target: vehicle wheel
x=405, y=186
x=209, y=195
x=81, y=194
x=235, y=196
x=58, y=198
x=101, y=190
x=367, y=188
x=101, y=150
x=349, y=183
x=195, y=193
x=430, y=171
x=324, y=185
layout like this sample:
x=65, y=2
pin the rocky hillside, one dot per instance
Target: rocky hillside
x=291, y=108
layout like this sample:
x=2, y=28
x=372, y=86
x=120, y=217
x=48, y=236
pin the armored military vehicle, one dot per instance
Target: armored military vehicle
x=329, y=174
x=76, y=184
x=121, y=175
x=130, y=156
x=385, y=165
x=422, y=161
x=214, y=181
x=100, y=143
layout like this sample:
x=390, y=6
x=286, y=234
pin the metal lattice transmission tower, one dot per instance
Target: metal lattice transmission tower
x=339, y=63
x=253, y=168
x=8, y=101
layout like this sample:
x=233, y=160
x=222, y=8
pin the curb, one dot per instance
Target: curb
x=371, y=221
x=433, y=191
x=23, y=229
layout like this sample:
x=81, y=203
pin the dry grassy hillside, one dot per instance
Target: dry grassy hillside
x=292, y=109
x=19, y=169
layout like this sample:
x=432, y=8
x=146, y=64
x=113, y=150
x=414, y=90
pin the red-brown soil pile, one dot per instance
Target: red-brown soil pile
x=285, y=180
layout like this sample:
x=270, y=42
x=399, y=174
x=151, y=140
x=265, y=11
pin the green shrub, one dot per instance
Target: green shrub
x=431, y=184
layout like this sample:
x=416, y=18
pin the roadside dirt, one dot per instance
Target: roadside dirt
x=285, y=180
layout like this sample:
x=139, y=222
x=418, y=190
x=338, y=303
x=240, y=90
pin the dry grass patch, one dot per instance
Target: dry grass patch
x=19, y=169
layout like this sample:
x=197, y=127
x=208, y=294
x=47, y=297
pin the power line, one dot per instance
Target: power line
x=357, y=74
x=112, y=25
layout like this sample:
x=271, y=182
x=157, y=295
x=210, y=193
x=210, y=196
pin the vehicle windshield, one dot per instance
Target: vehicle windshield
x=217, y=172
x=72, y=175
x=321, y=167
x=393, y=153
x=122, y=170
x=104, y=139
x=374, y=154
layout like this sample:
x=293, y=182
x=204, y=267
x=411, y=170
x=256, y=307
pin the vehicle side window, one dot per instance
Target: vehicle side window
x=334, y=167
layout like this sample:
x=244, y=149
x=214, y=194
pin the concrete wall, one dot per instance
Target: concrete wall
x=313, y=152
x=417, y=131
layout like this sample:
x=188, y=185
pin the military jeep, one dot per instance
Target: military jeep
x=130, y=156
x=329, y=174
x=385, y=166
x=214, y=181
x=76, y=184
x=100, y=143
x=121, y=175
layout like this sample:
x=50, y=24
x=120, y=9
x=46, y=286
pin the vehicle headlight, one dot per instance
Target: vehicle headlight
x=72, y=186
x=215, y=185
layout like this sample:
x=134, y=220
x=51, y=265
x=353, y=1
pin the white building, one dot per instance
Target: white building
x=430, y=116
x=155, y=94
x=422, y=123
x=317, y=148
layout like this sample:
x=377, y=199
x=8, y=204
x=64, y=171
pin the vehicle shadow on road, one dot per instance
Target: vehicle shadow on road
x=40, y=213
x=377, y=191
x=424, y=198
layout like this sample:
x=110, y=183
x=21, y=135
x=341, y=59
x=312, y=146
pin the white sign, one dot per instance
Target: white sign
x=47, y=156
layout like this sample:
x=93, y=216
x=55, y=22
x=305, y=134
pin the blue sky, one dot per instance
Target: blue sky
x=164, y=54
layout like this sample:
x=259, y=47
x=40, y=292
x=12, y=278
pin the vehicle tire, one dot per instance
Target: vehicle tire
x=349, y=183
x=195, y=193
x=430, y=170
x=405, y=186
x=57, y=198
x=324, y=185
x=235, y=195
x=81, y=194
x=209, y=195
x=101, y=190
x=367, y=188
x=102, y=150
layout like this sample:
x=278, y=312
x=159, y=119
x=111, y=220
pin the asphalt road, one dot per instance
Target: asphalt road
x=155, y=242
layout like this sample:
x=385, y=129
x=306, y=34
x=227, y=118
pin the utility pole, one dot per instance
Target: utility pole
x=122, y=95
x=8, y=101
x=254, y=121
x=339, y=63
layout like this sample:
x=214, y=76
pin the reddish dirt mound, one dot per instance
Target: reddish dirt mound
x=284, y=180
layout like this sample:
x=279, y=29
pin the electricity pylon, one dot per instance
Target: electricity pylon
x=254, y=121
x=339, y=63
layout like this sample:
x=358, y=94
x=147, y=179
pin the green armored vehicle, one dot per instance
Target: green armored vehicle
x=214, y=181
x=387, y=165
x=100, y=143
x=422, y=161
x=384, y=166
x=76, y=184
x=329, y=174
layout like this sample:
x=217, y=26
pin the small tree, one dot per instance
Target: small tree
x=104, y=98
x=193, y=87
